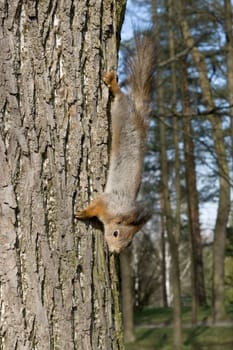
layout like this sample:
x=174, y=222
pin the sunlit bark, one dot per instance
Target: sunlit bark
x=59, y=287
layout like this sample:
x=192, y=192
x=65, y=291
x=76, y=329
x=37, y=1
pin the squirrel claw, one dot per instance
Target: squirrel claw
x=80, y=214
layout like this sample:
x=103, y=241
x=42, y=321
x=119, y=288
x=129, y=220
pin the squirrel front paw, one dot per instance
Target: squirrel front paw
x=111, y=81
x=109, y=77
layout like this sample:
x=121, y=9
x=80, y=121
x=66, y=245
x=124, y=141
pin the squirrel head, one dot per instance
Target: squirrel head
x=120, y=231
x=119, y=237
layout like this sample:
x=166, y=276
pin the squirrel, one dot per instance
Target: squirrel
x=117, y=208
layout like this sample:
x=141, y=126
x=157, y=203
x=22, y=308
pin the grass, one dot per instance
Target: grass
x=194, y=338
x=165, y=315
x=154, y=332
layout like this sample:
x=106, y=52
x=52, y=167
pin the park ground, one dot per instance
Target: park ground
x=153, y=331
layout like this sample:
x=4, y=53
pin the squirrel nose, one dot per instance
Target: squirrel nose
x=114, y=250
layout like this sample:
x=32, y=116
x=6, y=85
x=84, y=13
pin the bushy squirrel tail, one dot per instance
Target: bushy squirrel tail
x=141, y=67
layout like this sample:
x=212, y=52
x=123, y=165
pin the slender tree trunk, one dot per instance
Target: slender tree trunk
x=223, y=171
x=127, y=295
x=229, y=54
x=175, y=273
x=175, y=125
x=59, y=287
x=163, y=250
x=173, y=246
x=198, y=285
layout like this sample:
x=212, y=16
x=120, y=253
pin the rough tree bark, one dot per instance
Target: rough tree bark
x=58, y=285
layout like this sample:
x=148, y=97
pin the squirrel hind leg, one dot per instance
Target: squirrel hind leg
x=111, y=81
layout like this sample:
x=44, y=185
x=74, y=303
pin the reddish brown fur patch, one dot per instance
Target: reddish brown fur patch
x=97, y=208
x=100, y=209
x=111, y=82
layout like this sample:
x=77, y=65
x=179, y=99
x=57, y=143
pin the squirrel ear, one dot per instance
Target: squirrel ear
x=137, y=217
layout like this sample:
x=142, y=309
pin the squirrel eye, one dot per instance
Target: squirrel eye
x=115, y=233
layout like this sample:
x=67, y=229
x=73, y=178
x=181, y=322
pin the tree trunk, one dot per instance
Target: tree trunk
x=127, y=295
x=175, y=125
x=198, y=285
x=59, y=287
x=165, y=200
x=223, y=171
x=163, y=249
x=173, y=246
x=229, y=55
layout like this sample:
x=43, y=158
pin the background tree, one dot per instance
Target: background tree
x=194, y=53
x=147, y=277
x=222, y=164
x=59, y=287
x=228, y=16
x=127, y=295
x=198, y=285
x=172, y=239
